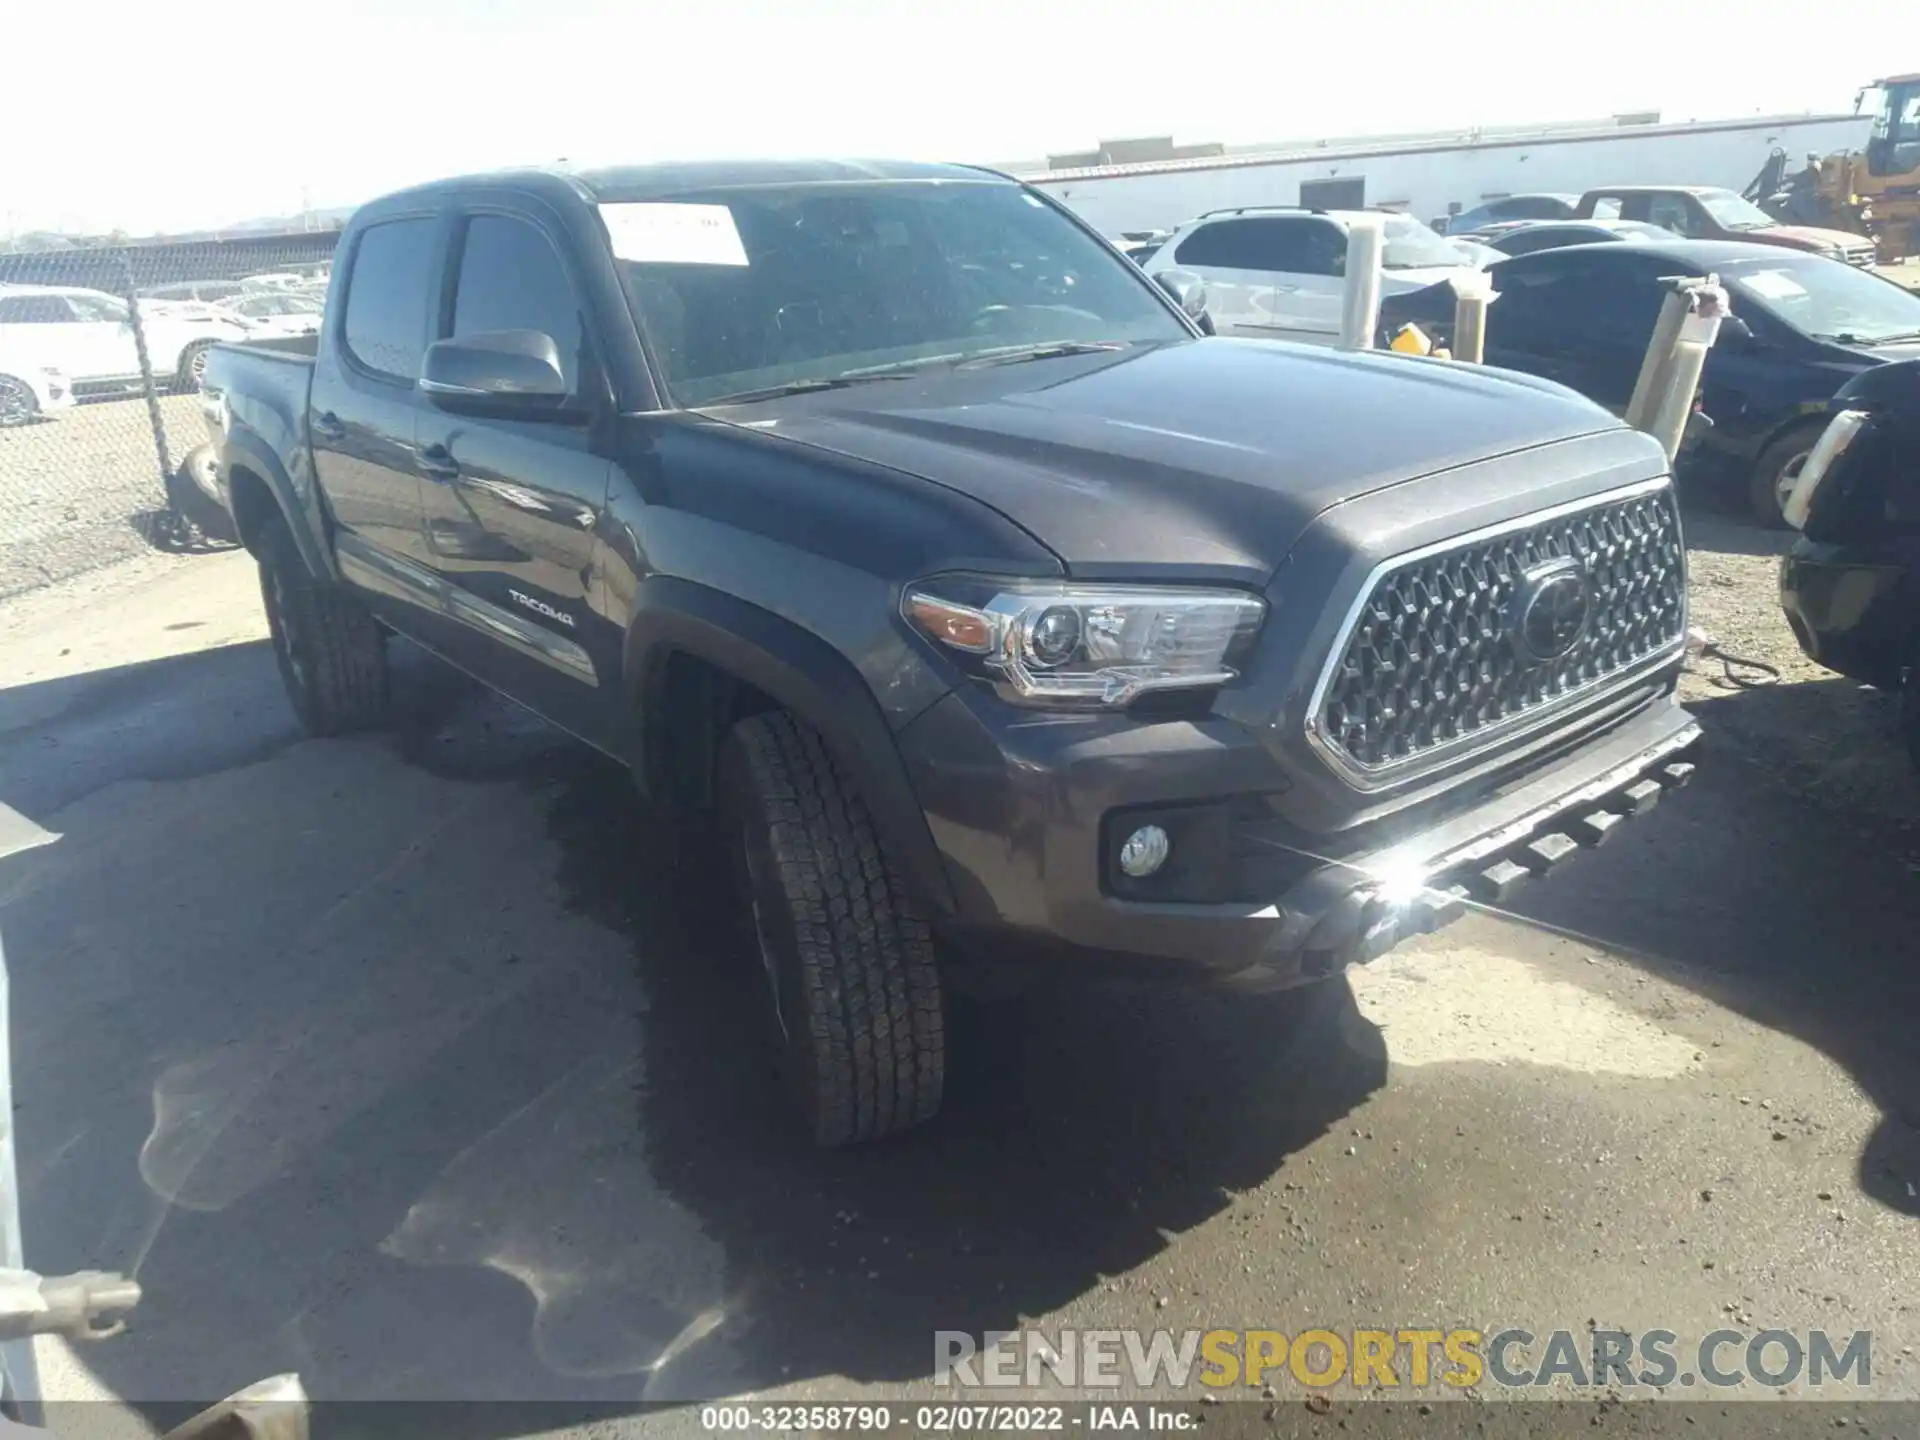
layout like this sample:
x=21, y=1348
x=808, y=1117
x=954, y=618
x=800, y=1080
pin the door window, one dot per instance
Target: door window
x=98, y=309
x=1671, y=212
x=386, y=317
x=1606, y=207
x=511, y=278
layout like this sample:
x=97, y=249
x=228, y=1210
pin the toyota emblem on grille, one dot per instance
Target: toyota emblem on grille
x=1551, y=610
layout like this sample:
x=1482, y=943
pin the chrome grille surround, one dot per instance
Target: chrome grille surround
x=1424, y=669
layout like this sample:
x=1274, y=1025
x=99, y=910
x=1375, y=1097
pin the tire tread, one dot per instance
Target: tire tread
x=876, y=1035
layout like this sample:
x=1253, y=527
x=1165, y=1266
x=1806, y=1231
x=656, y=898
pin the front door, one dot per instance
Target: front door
x=512, y=505
x=1310, y=288
x=363, y=406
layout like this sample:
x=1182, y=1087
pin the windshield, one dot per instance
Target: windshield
x=794, y=284
x=1409, y=245
x=1734, y=213
x=1833, y=302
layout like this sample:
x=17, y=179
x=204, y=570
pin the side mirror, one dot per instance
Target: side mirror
x=497, y=372
x=1736, y=328
x=1188, y=291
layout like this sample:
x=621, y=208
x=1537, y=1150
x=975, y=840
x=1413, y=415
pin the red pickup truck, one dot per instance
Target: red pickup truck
x=1706, y=212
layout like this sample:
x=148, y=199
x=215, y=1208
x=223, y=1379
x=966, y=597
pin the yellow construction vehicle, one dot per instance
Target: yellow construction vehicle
x=1874, y=193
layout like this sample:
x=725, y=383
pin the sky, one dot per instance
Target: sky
x=149, y=117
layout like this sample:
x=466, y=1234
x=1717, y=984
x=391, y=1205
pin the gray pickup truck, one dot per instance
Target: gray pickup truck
x=1007, y=618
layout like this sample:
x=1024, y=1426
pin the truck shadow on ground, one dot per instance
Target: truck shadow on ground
x=370, y=1077
x=1082, y=1127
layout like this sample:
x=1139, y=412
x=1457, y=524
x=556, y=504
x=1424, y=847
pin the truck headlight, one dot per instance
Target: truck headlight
x=1092, y=645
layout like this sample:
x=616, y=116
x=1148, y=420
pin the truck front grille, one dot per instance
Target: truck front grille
x=1435, y=657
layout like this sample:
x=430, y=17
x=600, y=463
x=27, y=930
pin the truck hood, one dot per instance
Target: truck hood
x=1808, y=237
x=1204, y=457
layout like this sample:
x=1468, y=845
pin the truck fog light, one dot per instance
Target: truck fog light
x=1146, y=851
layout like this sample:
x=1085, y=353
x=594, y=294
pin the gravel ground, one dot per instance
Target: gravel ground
x=1828, y=737
x=81, y=490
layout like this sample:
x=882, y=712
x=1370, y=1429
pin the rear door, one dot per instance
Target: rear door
x=512, y=506
x=45, y=330
x=363, y=405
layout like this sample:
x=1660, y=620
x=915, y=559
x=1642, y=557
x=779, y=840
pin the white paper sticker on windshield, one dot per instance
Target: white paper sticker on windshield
x=661, y=234
x=1774, y=284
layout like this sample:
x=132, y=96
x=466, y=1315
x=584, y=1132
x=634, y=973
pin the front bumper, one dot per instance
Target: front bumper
x=1849, y=607
x=1028, y=812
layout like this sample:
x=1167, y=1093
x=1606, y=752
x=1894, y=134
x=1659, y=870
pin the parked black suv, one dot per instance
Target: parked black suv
x=1003, y=614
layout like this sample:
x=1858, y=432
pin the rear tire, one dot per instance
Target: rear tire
x=1774, y=472
x=332, y=653
x=850, y=986
x=191, y=493
x=193, y=364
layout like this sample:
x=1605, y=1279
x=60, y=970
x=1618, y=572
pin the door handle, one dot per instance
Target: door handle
x=436, y=462
x=326, y=426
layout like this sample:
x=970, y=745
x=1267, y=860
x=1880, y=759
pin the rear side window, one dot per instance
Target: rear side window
x=1283, y=244
x=386, y=320
x=34, y=310
x=512, y=279
x=1606, y=207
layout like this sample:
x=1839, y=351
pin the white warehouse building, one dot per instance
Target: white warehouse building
x=1153, y=184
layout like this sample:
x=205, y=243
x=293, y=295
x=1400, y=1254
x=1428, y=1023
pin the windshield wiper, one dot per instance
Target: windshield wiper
x=1015, y=354
x=808, y=387
x=1895, y=338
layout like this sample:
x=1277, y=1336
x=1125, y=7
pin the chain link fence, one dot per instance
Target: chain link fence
x=102, y=443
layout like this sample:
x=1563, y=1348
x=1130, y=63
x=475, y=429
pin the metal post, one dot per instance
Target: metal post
x=1706, y=308
x=1360, y=311
x=1472, y=292
x=1666, y=330
x=154, y=418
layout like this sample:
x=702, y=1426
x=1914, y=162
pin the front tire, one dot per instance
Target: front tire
x=851, y=988
x=1773, y=475
x=332, y=653
x=18, y=404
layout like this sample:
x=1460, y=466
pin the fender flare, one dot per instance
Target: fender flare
x=806, y=676
x=243, y=450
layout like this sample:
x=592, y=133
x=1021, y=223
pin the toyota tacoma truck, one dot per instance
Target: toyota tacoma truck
x=1006, y=619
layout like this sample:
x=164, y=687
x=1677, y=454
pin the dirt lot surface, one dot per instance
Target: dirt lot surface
x=420, y=1063
x=82, y=490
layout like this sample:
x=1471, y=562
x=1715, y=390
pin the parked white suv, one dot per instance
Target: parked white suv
x=1280, y=272
x=88, y=335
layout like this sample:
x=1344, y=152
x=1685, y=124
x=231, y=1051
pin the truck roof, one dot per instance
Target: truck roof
x=664, y=180
x=1652, y=190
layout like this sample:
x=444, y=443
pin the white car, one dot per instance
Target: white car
x=273, y=315
x=88, y=336
x=29, y=389
x=1279, y=272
